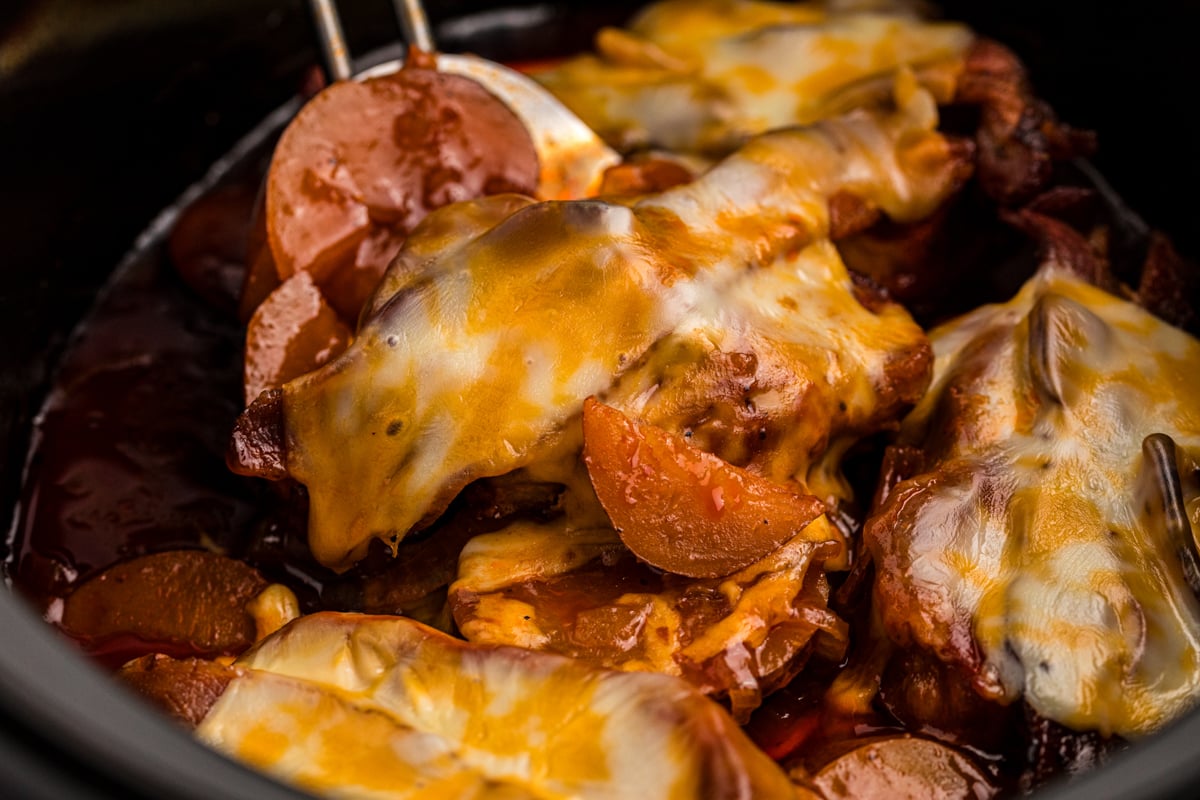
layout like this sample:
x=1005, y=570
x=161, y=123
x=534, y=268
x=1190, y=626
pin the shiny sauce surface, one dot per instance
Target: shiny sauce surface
x=128, y=452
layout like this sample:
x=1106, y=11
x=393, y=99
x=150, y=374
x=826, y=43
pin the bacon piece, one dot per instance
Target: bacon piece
x=1062, y=245
x=257, y=446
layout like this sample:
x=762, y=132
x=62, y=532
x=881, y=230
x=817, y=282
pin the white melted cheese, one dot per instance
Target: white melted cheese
x=819, y=374
x=501, y=316
x=354, y=706
x=704, y=75
x=1036, y=532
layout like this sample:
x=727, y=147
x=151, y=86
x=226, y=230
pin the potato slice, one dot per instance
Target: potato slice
x=185, y=689
x=365, y=161
x=681, y=509
x=294, y=331
x=186, y=602
x=904, y=768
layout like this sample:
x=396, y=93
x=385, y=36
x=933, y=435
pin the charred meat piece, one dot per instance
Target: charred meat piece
x=1019, y=137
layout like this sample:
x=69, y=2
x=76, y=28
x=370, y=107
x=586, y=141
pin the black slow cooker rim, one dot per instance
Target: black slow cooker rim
x=68, y=730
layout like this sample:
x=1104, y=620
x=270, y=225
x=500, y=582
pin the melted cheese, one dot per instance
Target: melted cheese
x=1032, y=552
x=577, y=591
x=703, y=76
x=786, y=355
x=490, y=330
x=382, y=707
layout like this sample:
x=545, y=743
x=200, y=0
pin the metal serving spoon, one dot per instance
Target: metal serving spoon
x=572, y=157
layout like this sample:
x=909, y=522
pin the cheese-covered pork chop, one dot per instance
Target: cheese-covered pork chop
x=1048, y=547
x=704, y=75
x=501, y=316
x=383, y=707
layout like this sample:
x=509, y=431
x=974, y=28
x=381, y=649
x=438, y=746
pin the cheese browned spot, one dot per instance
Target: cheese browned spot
x=782, y=372
x=475, y=360
x=703, y=76
x=384, y=707
x=1042, y=549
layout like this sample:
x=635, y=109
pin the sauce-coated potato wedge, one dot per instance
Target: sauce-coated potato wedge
x=681, y=509
x=184, y=602
x=183, y=688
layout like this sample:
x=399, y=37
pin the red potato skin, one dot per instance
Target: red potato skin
x=363, y=163
x=185, y=689
x=679, y=508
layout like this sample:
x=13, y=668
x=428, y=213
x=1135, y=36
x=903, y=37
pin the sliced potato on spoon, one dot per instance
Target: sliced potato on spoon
x=365, y=161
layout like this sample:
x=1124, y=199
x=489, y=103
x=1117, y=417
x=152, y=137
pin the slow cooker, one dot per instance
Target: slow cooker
x=110, y=110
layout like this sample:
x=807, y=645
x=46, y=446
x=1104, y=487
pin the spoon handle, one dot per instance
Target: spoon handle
x=411, y=14
x=333, y=41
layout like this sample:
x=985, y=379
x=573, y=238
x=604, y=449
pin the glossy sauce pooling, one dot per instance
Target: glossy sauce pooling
x=128, y=452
